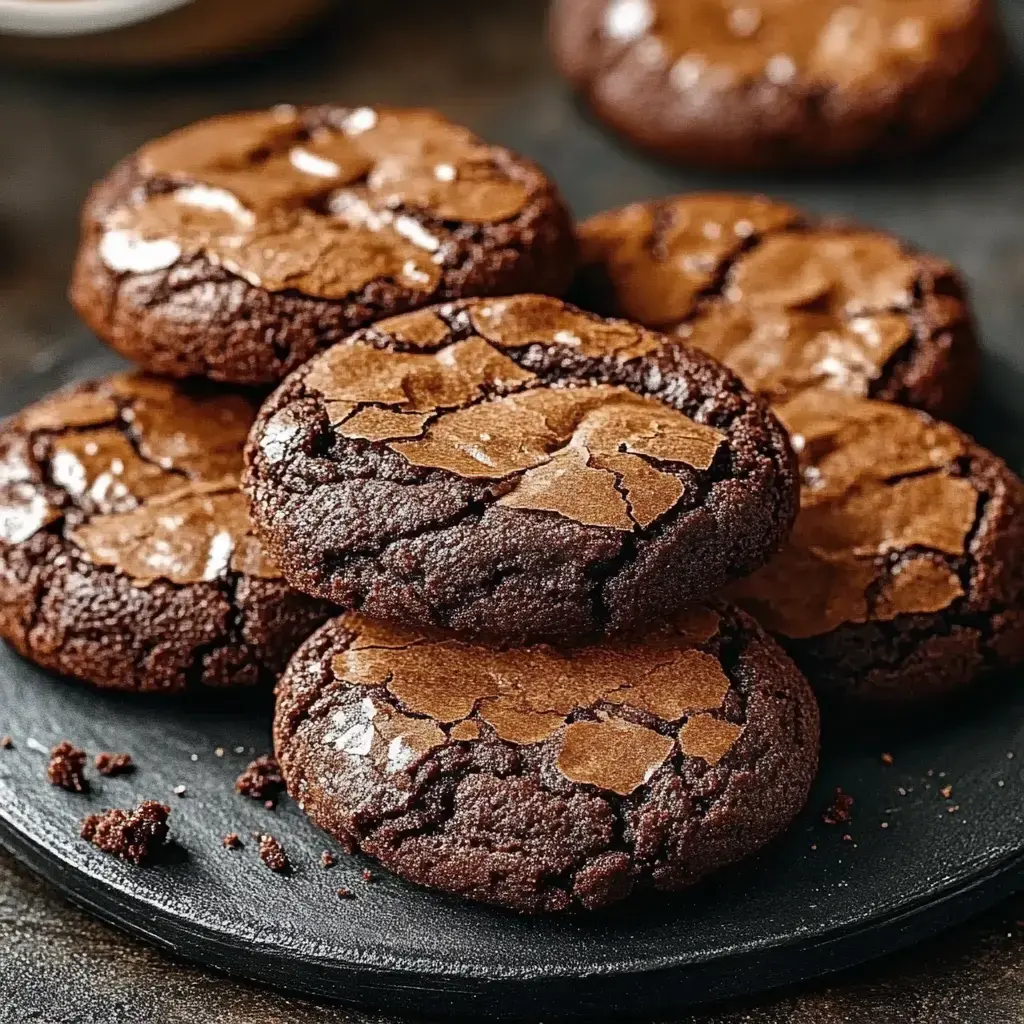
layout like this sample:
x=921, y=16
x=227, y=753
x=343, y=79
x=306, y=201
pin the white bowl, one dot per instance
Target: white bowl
x=146, y=33
x=78, y=17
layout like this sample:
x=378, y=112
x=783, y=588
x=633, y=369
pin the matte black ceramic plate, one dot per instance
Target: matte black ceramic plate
x=822, y=898
x=816, y=901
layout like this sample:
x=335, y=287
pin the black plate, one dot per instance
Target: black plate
x=814, y=902
x=822, y=898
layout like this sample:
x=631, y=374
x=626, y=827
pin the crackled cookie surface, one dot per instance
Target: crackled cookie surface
x=787, y=302
x=779, y=83
x=541, y=780
x=517, y=469
x=126, y=556
x=904, y=575
x=237, y=247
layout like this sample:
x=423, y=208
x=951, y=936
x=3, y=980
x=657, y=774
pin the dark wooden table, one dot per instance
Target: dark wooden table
x=481, y=61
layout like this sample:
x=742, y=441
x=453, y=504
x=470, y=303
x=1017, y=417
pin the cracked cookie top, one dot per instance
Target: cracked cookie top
x=136, y=473
x=504, y=424
x=786, y=303
x=322, y=201
x=375, y=721
x=237, y=247
x=885, y=519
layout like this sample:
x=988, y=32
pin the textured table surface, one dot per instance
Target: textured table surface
x=481, y=61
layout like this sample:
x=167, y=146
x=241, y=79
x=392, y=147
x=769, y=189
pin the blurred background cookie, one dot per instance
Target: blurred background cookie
x=779, y=83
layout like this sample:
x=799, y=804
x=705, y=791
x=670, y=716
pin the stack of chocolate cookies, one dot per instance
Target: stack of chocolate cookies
x=537, y=585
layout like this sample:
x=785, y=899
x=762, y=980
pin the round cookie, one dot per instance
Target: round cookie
x=787, y=302
x=517, y=470
x=779, y=83
x=541, y=780
x=126, y=556
x=904, y=577
x=238, y=247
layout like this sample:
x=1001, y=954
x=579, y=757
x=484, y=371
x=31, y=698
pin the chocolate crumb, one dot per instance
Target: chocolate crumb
x=327, y=859
x=114, y=764
x=887, y=759
x=67, y=768
x=131, y=835
x=7, y=743
x=367, y=875
x=346, y=894
x=261, y=779
x=946, y=791
x=269, y=804
x=272, y=854
x=839, y=811
x=232, y=842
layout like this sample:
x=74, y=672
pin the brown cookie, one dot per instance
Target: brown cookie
x=519, y=470
x=783, y=83
x=126, y=557
x=904, y=577
x=787, y=302
x=540, y=780
x=238, y=247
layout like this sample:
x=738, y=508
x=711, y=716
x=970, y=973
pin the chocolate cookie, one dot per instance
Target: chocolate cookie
x=788, y=83
x=126, y=557
x=519, y=470
x=786, y=301
x=904, y=577
x=238, y=247
x=539, y=780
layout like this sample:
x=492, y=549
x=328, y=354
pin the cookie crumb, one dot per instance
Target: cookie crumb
x=847, y=838
x=67, y=768
x=269, y=804
x=327, y=859
x=887, y=759
x=239, y=750
x=953, y=808
x=134, y=836
x=367, y=875
x=839, y=811
x=179, y=790
x=946, y=791
x=7, y=743
x=261, y=779
x=232, y=842
x=346, y=894
x=114, y=764
x=885, y=824
x=272, y=854
x=218, y=752
x=193, y=757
